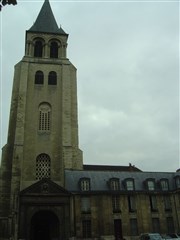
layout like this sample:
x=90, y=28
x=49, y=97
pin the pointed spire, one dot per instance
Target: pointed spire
x=46, y=22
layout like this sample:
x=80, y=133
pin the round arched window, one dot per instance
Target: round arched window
x=43, y=166
x=54, y=50
x=44, y=117
x=52, y=78
x=38, y=48
x=39, y=77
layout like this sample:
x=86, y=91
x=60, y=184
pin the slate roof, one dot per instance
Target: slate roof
x=99, y=179
x=129, y=168
x=46, y=22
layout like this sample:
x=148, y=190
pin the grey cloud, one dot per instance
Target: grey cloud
x=126, y=56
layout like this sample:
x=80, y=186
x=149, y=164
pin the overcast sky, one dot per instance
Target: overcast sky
x=127, y=59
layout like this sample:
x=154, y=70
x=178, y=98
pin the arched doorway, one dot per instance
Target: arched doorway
x=44, y=226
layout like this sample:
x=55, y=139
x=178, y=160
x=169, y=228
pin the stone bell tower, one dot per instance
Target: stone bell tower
x=43, y=126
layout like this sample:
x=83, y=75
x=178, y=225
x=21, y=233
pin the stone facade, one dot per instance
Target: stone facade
x=45, y=190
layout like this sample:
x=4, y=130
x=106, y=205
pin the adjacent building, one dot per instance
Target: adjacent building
x=46, y=192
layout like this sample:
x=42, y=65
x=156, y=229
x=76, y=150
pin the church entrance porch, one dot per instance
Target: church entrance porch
x=44, y=212
x=44, y=226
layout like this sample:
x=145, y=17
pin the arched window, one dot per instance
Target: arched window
x=54, y=50
x=44, y=117
x=38, y=48
x=43, y=166
x=39, y=77
x=52, y=78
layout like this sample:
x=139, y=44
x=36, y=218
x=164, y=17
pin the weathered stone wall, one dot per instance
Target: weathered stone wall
x=102, y=216
x=25, y=141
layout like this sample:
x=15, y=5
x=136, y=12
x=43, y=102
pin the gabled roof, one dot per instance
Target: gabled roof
x=45, y=186
x=46, y=22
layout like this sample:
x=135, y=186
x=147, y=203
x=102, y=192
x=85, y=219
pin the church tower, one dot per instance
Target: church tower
x=43, y=126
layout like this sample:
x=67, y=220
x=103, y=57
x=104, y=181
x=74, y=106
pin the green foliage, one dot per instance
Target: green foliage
x=7, y=2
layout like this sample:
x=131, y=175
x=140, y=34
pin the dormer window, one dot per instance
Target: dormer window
x=150, y=184
x=85, y=184
x=129, y=184
x=177, y=181
x=38, y=48
x=54, y=50
x=164, y=184
x=114, y=184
